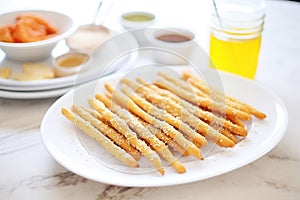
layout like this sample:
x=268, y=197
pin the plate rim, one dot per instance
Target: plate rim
x=34, y=94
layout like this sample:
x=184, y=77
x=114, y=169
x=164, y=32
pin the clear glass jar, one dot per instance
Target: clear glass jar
x=235, y=39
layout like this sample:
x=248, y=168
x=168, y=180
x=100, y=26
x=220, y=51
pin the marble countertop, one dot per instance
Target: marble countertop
x=27, y=170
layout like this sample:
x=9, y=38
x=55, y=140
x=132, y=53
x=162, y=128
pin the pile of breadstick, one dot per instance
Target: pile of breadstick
x=157, y=119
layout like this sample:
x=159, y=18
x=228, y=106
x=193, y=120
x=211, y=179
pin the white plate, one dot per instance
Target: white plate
x=34, y=94
x=83, y=156
x=105, y=60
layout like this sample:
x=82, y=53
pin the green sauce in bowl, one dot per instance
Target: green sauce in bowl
x=138, y=17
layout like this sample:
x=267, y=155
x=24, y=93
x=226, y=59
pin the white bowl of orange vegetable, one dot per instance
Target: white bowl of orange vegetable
x=31, y=35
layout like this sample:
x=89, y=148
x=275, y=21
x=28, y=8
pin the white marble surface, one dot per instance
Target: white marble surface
x=27, y=171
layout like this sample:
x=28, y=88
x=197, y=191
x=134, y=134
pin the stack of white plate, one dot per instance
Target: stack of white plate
x=115, y=55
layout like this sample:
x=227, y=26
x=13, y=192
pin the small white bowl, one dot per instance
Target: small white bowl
x=33, y=51
x=173, y=46
x=71, y=63
x=136, y=23
x=88, y=37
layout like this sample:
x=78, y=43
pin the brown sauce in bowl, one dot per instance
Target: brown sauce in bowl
x=173, y=38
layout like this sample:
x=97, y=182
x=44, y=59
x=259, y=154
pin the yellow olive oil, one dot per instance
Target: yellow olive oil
x=238, y=56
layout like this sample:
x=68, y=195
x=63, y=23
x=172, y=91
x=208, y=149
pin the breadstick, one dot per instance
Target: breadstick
x=258, y=114
x=227, y=133
x=200, y=84
x=236, y=121
x=144, y=133
x=96, y=120
x=165, y=138
x=106, y=143
x=204, y=102
x=180, y=112
x=124, y=101
x=163, y=115
x=206, y=116
x=122, y=127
